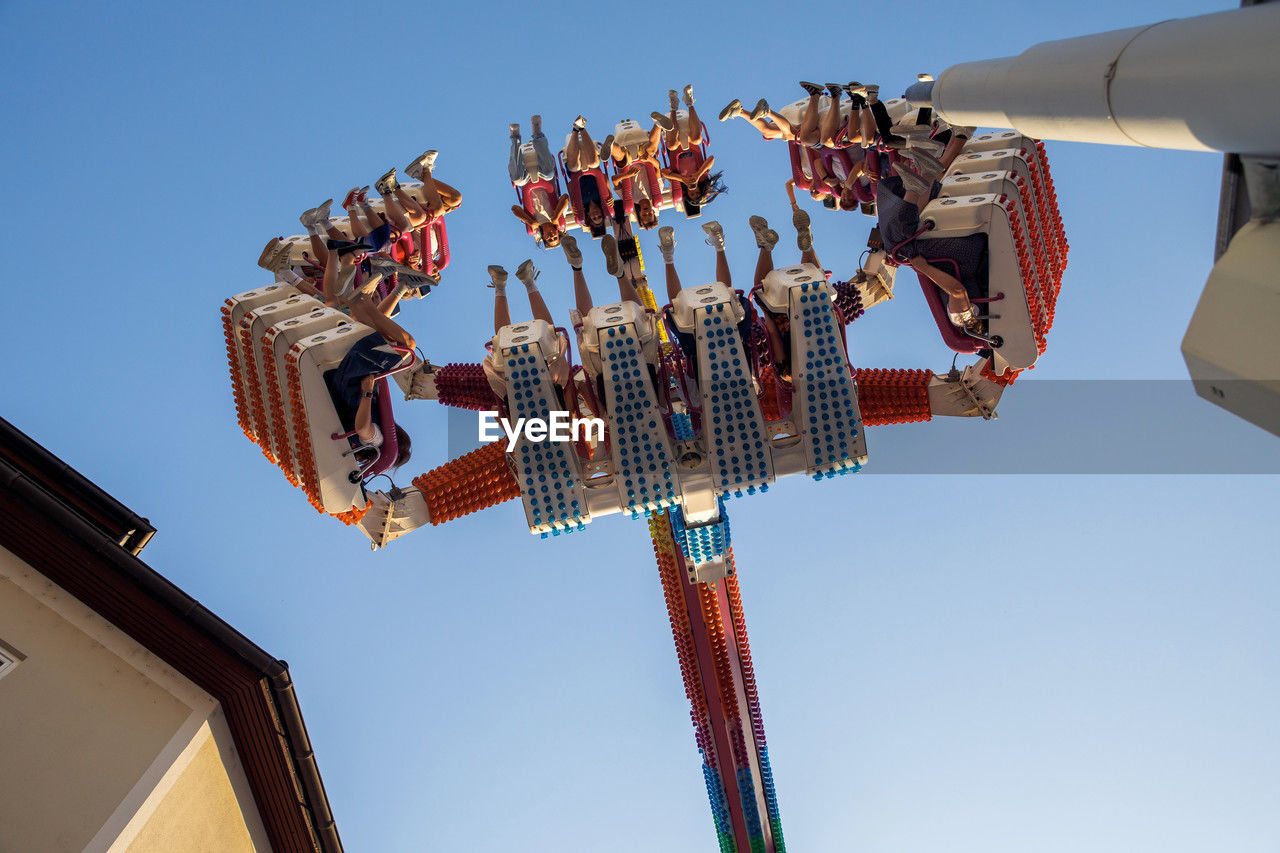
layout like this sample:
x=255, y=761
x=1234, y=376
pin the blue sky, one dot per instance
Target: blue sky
x=994, y=663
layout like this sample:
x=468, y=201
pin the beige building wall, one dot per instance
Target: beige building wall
x=103, y=746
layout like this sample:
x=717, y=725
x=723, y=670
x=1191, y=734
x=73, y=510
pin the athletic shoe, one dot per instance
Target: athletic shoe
x=963, y=132
x=269, y=251
x=350, y=198
x=612, y=260
x=760, y=110
x=307, y=218
x=811, y=88
x=527, y=273
x=688, y=95
x=804, y=239
x=416, y=169
x=667, y=243
x=387, y=184
x=673, y=98
x=571, y=252
x=872, y=91
x=662, y=121
x=606, y=148
x=930, y=167
x=800, y=219
x=835, y=90
x=322, y=212
x=925, y=78
x=911, y=182
x=733, y=110
x=515, y=131
x=497, y=276
x=855, y=89
x=411, y=277
x=715, y=235
x=282, y=257
x=345, y=285
x=760, y=227
x=579, y=123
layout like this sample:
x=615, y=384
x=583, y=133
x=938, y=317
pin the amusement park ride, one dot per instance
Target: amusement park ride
x=686, y=434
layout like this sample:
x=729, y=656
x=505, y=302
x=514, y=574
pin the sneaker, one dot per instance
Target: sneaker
x=345, y=286
x=419, y=164
x=387, y=184
x=282, y=258
x=715, y=235
x=872, y=91
x=854, y=89
x=308, y=217
x=350, y=198
x=673, y=98
x=925, y=78
x=804, y=239
x=662, y=121
x=515, y=131
x=612, y=260
x=811, y=88
x=527, y=273
x=963, y=132
x=733, y=110
x=371, y=282
x=322, y=212
x=761, y=109
x=667, y=243
x=911, y=182
x=760, y=227
x=497, y=276
x=688, y=95
x=800, y=219
x=571, y=252
x=579, y=123
x=269, y=251
x=930, y=167
x=429, y=158
x=606, y=148
x=835, y=90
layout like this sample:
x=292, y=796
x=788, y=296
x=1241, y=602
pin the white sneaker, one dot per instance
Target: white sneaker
x=673, y=98
x=667, y=243
x=497, y=276
x=688, y=95
x=571, y=252
x=662, y=121
x=269, y=252
x=715, y=235
x=733, y=110
x=579, y=123
x=760, y=227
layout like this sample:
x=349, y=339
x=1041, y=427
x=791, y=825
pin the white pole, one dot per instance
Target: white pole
x=1209, y=83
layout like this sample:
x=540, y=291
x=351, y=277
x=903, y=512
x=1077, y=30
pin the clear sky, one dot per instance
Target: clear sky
x=964, y=662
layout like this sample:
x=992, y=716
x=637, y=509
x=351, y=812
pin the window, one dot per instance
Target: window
x=9, y=659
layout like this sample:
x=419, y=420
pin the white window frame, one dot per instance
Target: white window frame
x=9, y=659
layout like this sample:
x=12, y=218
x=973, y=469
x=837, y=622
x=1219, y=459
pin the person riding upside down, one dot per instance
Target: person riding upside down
x=534, y=174
x=684, y=151
x=633, y=167
x=353, y=384
x=587, y=180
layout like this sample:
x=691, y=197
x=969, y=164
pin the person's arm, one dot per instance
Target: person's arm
x=791, y=193
x=364, y=414
x=561, y=204
x=959, y=297
x=523, y=215
x=706, y=167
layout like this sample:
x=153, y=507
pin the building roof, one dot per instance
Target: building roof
x=82, y=539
